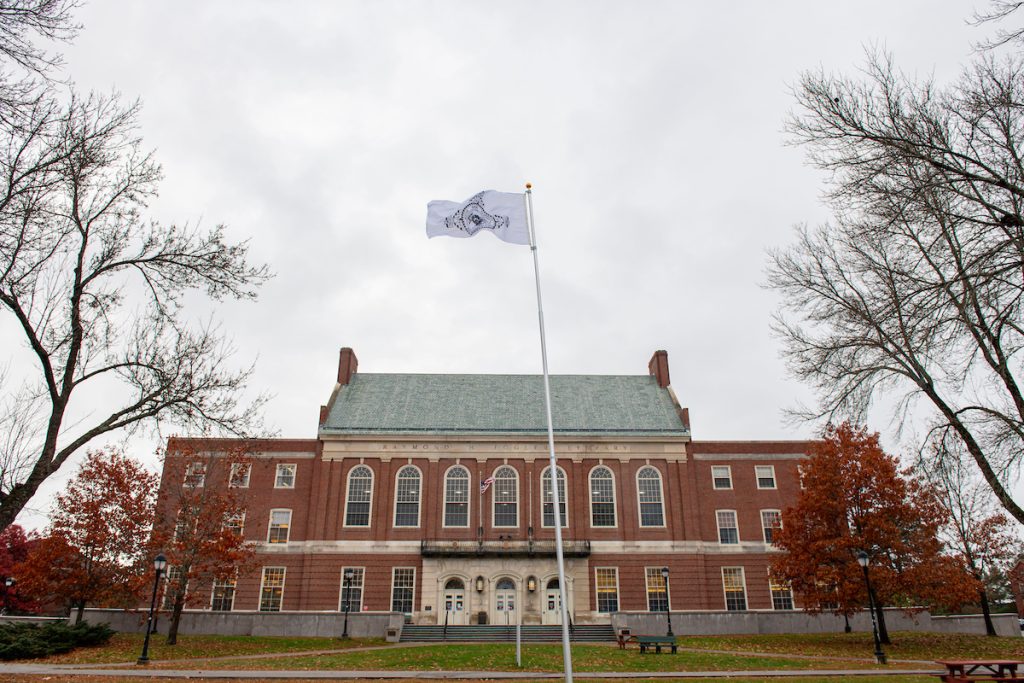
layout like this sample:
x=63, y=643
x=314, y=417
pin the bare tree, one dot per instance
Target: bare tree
x=97, y=291
x=916, y=287
x=999, y=10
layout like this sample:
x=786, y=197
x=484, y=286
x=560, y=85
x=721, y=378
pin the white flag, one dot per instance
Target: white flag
x=502, y=213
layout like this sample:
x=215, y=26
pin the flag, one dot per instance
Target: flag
x=500, y=213
x=486, y=484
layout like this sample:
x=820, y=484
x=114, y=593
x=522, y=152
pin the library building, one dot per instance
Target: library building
x=431, y=495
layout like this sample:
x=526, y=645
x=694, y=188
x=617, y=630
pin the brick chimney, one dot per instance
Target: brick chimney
x=347, y=365
x=658, y=366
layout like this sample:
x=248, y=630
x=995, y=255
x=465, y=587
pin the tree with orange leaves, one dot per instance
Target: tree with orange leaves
x=94, y=551
x=199, y=527
x=854, y=498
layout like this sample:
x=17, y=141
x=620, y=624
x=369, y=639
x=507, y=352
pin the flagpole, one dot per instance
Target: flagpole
x=563, y=588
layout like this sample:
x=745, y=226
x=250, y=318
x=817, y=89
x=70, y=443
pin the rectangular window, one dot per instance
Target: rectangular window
x=195, y=475
x=735, y=589
x=402, y=585
x=770, y=521
x=782, y=594
x=280, y=524
x=728, y=531
x=721, y=477
x=235, y=523
x=657, y=596
x=285, y=478
x=171, y=579
x=355, y=590
x=223, y=598
x=765, y=476
x=240, y=472
x=272, y=589
x=607, y=580
x=602, y=498
x=506, y=501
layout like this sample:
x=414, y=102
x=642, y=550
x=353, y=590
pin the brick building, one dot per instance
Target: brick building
x=391, y=490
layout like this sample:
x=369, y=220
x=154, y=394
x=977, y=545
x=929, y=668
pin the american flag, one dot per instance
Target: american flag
x=486, y=484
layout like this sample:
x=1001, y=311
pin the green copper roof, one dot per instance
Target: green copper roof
x=470, y=404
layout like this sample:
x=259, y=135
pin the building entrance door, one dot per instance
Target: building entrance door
x=455, y=603
x=551, y=612
x=505, y=602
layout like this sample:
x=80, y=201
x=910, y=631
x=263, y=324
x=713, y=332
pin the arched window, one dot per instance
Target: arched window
x=505, y=584
x=548, y=518
x=648, y=486
x=358, y=496
x=407, y=497
x=506, y=497
x=456, y=497
x=454, y=585
x=602, y=497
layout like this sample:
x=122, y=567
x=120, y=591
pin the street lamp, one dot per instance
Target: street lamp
x=8, y=585
x=863, y=561
x=348, y=582
x=159, y=562
x=668, y=602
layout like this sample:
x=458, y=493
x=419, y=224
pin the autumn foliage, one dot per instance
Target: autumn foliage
x=198, y=526
x=854, y=498
x=14, y=549
x=94, y=551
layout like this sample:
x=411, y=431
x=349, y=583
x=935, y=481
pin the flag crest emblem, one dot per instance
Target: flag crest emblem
x=501, y=213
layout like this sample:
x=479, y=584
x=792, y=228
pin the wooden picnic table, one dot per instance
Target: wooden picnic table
x=980, y=670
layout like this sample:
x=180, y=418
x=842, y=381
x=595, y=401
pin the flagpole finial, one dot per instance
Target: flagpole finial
x=529, y=186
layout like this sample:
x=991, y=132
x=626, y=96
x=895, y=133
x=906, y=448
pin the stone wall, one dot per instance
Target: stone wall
x=327, y=625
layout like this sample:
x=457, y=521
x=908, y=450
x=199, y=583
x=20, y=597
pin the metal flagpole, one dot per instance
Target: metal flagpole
x=562, y=586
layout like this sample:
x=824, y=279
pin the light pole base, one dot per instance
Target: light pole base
x=880, y=658
x=142, y=661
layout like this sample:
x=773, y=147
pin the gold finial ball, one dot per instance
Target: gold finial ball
x=529, y=186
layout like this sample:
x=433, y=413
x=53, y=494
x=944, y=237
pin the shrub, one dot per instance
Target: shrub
x=30, y=641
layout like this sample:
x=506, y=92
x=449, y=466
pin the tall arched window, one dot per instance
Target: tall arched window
x=456, y=497
x=407, y=497
x=506, y=497
x=648, y=486
x=602, y=497
x=548, y=518
x=358, y=496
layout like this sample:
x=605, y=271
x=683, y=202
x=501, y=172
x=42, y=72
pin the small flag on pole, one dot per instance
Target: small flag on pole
x=500, y=213
x=486, y=484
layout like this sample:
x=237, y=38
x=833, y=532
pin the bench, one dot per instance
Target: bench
x=981, y=670
x=656, y=642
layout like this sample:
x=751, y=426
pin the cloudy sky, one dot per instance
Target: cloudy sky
x=652, y=132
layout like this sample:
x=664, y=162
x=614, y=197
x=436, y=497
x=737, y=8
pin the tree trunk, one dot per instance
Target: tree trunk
x=990, y=629
x=172, y=630
x=80, y=612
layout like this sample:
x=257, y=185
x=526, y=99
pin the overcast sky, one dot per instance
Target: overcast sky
x=652, y=132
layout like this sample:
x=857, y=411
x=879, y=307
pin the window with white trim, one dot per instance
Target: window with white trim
x=239, y=477
x=657, y=595
x=171, y=579
x=195, y=475
x=280, y=526
x=355, y=590
x=728, y=530
x=456, y=497
x=272, y=589
x=782, y=594
x=606, y=580
x=222, y=598
x=285, y=477
x=765, y=476
x=770, y=521
x=403, y=582
x=721, y=476
x=506, y=497
x=235, y=522
x=548, y=516
x=602, y=497
x=648, y=486
x=407, y=497
x=358, y=495
x=735, y=586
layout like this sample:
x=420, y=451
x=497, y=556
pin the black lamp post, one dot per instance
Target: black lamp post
x=159, y=562
x=863, y=561
x=8, y=585
x=668, y=602
x=348, y=584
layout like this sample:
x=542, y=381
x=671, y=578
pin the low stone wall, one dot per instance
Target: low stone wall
x=11, y=619
x=326, y=624
x=715, y=623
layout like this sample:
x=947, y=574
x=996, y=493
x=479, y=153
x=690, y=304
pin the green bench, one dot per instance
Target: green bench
x=656, y=642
